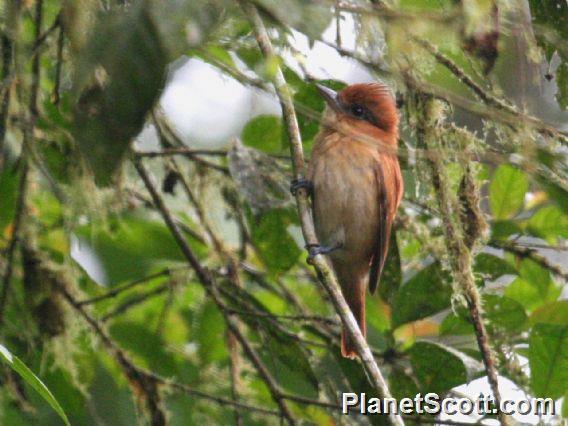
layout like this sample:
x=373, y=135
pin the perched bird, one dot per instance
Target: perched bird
x=356, y=185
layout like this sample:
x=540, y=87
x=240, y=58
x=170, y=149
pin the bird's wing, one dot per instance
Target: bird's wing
x=390, y=192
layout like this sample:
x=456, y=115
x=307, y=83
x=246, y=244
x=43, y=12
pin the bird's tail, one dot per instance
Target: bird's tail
x=355, y=297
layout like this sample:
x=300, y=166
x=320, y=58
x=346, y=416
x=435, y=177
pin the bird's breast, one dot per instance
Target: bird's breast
x=345, y=197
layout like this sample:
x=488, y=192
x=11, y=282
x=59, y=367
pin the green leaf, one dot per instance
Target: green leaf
x=391, y=278
x=549, y=223
x=209, y=332
x=557, y=193
x=278, y=250
x=264, y=133
x=562, y=82
x=533, y=287
x=9, y=193
x=402, y=385
x=504, y=313
x=148, y=347
x=426, y=293
x=551, y=313
x=121, y=74
x=436, y=368
x=456, y=324
x=503, y=229
x=309, y=18
x=548, y=360
x=507, y=191
x=493, y=266
x=31, y=379
x=124, y=250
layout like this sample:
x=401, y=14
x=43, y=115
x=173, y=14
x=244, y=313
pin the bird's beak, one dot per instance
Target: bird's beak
x=330, y=97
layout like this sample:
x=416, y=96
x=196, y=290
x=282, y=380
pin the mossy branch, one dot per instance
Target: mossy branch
x=457, y=244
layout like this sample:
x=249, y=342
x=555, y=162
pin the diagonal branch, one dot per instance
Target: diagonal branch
x=324, y=272
x=209, y=285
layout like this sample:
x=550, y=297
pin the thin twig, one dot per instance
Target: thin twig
x=135, y=301
x=7, y=49
x=189, y=152
x=58, y=66
x=43, y=37
x=533, y=254
x=144, y=384
x=308, y=318
x=218, y=399
x=207, y=281
x=119, y=289
x=326, y=275
x=14, y=240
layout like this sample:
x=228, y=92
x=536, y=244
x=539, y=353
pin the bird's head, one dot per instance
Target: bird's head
x=368, y=109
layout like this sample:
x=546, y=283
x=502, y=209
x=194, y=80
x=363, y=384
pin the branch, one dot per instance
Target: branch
x=117, y=290
x=208, y=283
x=58, y=66
x=460, y=258
x=16, y=229
x=324, y=272
x=218, y=399
x=533, y=254
x=143, y=384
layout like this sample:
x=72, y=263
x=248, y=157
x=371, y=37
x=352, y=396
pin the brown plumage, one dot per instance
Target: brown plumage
x=357, y=187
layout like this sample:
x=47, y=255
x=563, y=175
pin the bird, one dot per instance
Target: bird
x=355, y=184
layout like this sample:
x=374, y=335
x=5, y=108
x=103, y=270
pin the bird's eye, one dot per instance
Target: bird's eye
x=357, y=111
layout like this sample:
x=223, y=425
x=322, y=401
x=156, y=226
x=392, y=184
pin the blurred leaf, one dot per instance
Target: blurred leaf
x=533, y=287
x=558, y=194
x=210, y=334
x=549, y=223
x=146, y=345
x=9, y=178
x=124, y=251
x=269, y=232
x=281, y=352
x=426, y=293
x=456, y=324
x=402, y=385
x=437, y=369
x=289, y=364
x=391, y=278
x=251, y=56
x=507, y=191
x=493, y=266
x=503, y=229
x=553, y=13
x=31, y=379
x=119, y=79
x=59, y=157
x=504, y=313
x=551, y=313
x=350, y=377
x=562, y=82
x=548, y=360
x=308, y=17
x=263, y=132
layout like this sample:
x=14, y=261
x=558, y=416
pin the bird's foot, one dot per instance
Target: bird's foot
x=315, y=249
x=300, y=183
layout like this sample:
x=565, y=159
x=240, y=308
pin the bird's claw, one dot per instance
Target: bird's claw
x=300, y=183
x=315, y=249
